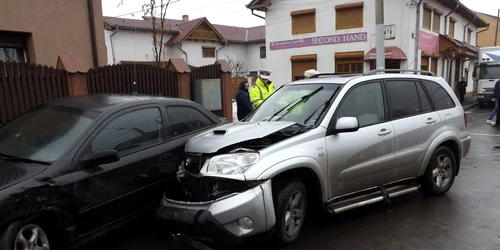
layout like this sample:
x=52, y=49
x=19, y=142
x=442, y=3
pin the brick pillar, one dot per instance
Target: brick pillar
x=76, y=74
x=183, y=77
x=227, y=91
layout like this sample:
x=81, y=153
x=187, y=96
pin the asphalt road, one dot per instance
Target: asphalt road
x=467, y=217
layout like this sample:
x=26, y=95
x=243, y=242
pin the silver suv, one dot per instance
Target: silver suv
x=327, y=143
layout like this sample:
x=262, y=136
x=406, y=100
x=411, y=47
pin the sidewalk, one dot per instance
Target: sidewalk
x=470, y=102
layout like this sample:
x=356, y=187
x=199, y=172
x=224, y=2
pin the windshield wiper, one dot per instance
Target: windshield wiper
x=301, y=99
x=326, y=104
x=21, y=159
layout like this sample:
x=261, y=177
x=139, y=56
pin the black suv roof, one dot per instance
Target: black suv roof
x=103, y=102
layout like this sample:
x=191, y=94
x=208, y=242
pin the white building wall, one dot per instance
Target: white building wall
x=400, y=13
x=130, y=45
x=278, y=28
x=460, y=34
x=254, y=62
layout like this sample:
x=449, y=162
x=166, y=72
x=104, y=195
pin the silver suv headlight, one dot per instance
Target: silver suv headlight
x=230, y=164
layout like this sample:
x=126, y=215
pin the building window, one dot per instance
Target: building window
x=349, y=62
x=262, y=51
x=303, y=21
x=208, y=52
x=432, y=18
x=302, y=63
x=434, y=65
x=451, y=32
x=427, y=19
x=436, y=22
x=13, y=47
x=349, y=16
x=469, y=35
x=424, y=65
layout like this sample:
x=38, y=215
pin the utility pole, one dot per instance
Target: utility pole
x=496, y=30
x=380, y=50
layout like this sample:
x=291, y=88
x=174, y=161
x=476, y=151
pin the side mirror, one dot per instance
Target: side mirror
x=346, y=124
x=103, y=157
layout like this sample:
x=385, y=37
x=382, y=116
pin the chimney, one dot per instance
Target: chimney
x=185, y=18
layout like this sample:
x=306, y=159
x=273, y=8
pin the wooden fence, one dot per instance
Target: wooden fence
x=235, y=85
x=24, y=85
x=119, y=79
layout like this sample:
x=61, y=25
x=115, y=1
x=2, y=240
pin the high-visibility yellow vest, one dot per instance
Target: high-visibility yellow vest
x=259, y=92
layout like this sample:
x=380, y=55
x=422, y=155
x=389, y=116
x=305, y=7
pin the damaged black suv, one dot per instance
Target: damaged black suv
x=76, y=167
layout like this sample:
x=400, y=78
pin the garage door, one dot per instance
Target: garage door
x=302, y=63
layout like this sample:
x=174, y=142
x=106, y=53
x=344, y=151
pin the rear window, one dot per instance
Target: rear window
x=438, y=95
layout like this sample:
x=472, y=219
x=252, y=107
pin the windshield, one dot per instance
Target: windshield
x=44, y=133
x=290, y=103
x=489, y=71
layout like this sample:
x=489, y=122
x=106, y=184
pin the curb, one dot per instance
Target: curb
x=470, y=106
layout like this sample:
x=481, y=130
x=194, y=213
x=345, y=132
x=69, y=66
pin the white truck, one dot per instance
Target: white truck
x=489, y=74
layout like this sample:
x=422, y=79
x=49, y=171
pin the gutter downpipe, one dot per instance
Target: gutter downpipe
x=417, y=31
x=90, y=6
x=177, y=46
x=446, y=28
x=257, y=15
x=112, y=46
x=487, y=27
x=217, y=51
x=465, y=27
x=447, y=32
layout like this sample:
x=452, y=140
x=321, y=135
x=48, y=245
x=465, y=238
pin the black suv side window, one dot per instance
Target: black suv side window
x=365, y=102
x=403, y=98
x=438, y=95
x=131, y=132
x=185, y=119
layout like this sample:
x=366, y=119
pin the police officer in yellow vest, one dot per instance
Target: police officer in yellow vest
x=261, y=89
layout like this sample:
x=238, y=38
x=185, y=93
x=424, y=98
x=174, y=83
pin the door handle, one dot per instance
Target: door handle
x=430, y=120
x=384, y=132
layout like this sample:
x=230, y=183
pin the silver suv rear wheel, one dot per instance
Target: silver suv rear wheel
x=440, y=173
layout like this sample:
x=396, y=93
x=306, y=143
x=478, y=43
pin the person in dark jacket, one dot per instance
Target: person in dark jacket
x=462, y=85
x=496, y=91
x=244, y=106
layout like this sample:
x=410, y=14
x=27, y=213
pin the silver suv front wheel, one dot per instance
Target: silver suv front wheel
x=290, y=203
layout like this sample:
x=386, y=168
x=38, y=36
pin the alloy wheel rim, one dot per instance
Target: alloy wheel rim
x=31, y=237
x=442, y=172
x=294, y=216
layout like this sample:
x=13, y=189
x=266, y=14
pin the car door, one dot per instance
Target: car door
x=105, y=193
x=415, y=124
x=358, y=160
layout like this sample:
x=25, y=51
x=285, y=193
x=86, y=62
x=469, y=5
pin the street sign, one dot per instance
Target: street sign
x=389, y=32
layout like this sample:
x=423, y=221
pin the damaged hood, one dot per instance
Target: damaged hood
x=14, y=172
x=220, y=137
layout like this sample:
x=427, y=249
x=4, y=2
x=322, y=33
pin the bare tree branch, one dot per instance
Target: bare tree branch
x=238, y=68
x=159, y=28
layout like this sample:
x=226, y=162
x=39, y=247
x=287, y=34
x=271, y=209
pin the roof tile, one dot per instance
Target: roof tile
x=229, y=33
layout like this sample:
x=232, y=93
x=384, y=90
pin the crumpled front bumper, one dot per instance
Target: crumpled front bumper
x=217, y=221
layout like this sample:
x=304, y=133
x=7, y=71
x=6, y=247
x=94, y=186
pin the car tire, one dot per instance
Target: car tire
x=290, y=203
x=22, y=233
x=481, y=105
x=440, y=173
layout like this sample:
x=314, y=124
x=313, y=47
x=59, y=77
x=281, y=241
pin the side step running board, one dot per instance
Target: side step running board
x=382, y=194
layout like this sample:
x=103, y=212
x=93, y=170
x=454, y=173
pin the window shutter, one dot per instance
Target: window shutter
x=427, y=19
x=436, y=25
x=349, y=16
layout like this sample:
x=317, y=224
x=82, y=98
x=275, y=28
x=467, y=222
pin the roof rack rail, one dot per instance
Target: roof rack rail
x=333, y=74
x=375, y=71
